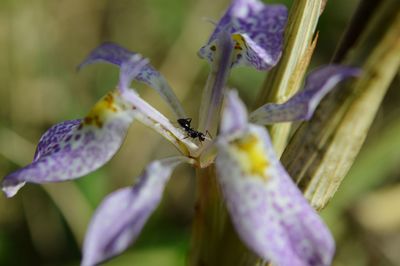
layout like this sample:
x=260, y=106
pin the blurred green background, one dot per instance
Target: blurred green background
x=43, y=41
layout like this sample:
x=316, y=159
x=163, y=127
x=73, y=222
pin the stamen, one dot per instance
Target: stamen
x=214, y=90
x=152, y=118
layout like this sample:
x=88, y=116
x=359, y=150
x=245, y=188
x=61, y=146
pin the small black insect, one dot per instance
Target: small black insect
x=191, y=132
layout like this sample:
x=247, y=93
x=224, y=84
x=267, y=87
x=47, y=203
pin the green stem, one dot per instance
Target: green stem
x=214, y=241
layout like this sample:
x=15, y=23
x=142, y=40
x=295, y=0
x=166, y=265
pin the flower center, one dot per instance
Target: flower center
x=102, y=110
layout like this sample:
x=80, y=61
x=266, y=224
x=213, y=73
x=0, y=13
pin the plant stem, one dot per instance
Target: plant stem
x=323, y=149
x=285, y=79
x=214, y=241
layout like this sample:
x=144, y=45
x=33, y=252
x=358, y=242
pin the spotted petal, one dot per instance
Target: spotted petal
x=114, y=54
x=75, y=148
x=49, y=142
x=268, y=211
x=303, y=104
x=257, y=30
x=122, y=215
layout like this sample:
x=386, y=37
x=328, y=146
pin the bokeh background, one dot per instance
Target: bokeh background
x=42, y=42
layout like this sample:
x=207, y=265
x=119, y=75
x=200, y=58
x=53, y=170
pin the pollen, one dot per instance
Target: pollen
x=252, y=155
x=102, y=109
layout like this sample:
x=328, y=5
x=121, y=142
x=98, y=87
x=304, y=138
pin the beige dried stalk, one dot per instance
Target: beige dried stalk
x=285, y=79
x=322, y=150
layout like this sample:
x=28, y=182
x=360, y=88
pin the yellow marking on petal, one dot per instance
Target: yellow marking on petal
x=240, y=42
x=103, y=109
x=252, y=155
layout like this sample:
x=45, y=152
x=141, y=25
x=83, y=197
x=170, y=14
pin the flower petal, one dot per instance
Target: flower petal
x=117, y=55
x=75, y=148
x=257, y=30
x=234, y=115
x=268, y=211
x=122, y=215
x=50, y=140
x=303, y=104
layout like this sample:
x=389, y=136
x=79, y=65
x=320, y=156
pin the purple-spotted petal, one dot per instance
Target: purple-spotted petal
x=114, y=54
x=268, y=211
x=257, y=30
x=50, y=140
x=75, y=148
x=122, y=215
x=303, y=104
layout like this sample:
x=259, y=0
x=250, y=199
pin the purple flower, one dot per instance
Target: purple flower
x=122, y=215
x=269, y=212
x=256, y=31
x=74, y=148
x=249, y=33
